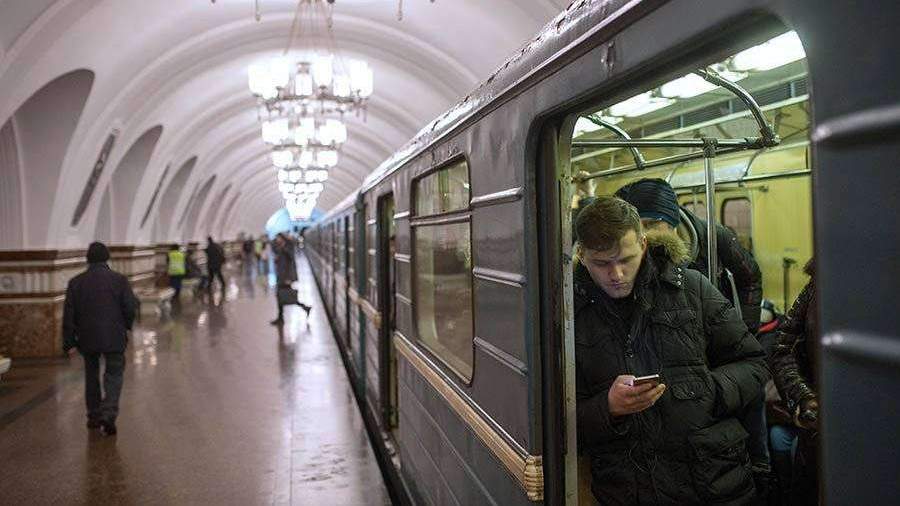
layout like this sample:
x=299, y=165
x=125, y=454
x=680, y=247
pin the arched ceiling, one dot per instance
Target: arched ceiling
x=182, y=64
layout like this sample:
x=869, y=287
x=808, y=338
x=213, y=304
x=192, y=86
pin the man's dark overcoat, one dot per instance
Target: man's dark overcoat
x=99, y=310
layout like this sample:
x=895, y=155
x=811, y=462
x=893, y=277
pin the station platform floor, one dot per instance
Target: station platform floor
x=218, y=407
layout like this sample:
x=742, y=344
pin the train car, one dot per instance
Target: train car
x=447, y=276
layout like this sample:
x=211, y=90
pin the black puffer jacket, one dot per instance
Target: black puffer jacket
x=741, y=264
x=794, y=357
x=687, y=449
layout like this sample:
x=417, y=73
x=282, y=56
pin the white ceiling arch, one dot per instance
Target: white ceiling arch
x=182, y=65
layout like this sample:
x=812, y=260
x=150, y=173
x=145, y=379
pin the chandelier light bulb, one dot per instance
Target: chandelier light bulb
x=303, y=84
x=306, y=159
x=294, y=176
x=361, y=78
x=279, y=72
x=316, y=176
x=323, y=70
x=282, y=175
x=327, y=158
x=276, y=131
x=282, y=159
x=338, y=130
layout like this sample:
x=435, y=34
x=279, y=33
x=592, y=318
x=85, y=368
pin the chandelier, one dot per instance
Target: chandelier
x=318, y=86
x=301, y=104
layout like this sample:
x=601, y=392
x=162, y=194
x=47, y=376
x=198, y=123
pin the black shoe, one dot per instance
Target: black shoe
x=277, y=321
x=93, y=424
x=307, y=309
x=108, y=427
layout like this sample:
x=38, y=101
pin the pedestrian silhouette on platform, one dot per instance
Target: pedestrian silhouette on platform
x=99, y=311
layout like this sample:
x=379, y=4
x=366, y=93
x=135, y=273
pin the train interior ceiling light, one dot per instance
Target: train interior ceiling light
x=301, y=103
x=771, y=55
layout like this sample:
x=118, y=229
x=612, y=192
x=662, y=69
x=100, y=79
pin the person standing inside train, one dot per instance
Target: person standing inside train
x=674, y=439
x=658, y=208
x=657, y=205
x=284, y=250
x=795, y=369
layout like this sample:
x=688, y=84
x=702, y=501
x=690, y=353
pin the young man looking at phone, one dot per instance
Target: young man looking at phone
x=674, y=440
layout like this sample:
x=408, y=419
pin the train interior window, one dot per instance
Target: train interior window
x=761, y=182
x=442, y=283
x=736, y=215
x=695, y=207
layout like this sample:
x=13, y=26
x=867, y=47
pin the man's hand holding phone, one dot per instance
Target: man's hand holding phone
x=625, y=397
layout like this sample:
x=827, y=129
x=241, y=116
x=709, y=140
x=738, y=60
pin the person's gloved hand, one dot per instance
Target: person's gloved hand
x=68, y=346
x=807, y=415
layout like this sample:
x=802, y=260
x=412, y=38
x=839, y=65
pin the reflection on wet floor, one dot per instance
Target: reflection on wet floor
x=218, y=407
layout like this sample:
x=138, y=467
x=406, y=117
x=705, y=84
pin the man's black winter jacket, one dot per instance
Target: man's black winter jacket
x=687, y=449
x=99, y=311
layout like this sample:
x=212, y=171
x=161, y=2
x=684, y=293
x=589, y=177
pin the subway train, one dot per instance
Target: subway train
x=447, y=276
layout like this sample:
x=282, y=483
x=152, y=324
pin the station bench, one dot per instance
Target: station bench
x=4, y=364
x=157, y=301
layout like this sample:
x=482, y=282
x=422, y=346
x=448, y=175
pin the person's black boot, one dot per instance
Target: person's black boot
x=277, y=321
x=108, y=427
x=93, y=424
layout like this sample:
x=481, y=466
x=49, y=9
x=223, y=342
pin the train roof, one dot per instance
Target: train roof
x=574, y=26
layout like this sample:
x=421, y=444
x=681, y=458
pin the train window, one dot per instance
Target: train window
x=443, y=267
x=444, y=191
x=736, y=215
x=697, y=208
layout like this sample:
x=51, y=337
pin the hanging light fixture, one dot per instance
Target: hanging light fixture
x=301, y=104
x=317, y=86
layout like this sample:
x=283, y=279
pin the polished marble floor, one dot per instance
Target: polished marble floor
x=218, y=407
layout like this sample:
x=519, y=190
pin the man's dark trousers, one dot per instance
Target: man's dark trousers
x=103, y=407
x=215, y=272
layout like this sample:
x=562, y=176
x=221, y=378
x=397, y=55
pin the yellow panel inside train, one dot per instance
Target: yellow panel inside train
x=764, y=196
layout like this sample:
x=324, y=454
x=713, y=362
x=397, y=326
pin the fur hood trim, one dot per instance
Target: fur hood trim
x=670, y=244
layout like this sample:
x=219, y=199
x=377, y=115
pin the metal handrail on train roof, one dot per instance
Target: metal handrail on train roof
x=710, y=148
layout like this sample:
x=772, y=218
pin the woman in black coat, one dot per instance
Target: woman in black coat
x=795, y=368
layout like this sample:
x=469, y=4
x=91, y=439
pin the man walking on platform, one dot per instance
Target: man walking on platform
x=98, y=314
x=215, y=258
x=284, y=250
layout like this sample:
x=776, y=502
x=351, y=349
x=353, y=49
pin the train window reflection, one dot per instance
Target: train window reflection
x=442, y=279
x=444, y=293
x=736, y=215
x=444, y=191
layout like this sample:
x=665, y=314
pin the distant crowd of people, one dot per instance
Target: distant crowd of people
x=100, y=309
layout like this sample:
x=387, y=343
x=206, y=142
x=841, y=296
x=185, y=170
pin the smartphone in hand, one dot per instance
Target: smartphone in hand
x=643, y=380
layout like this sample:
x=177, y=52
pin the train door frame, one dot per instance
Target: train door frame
x=559, y=465
x=557, y=186
x=346, y=294
x=388, y=379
